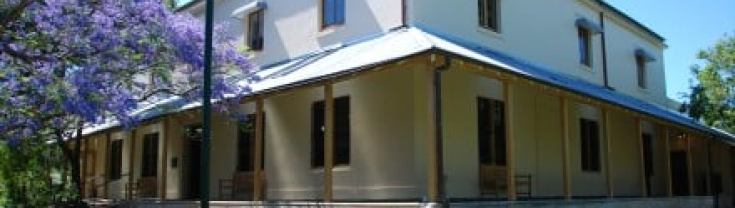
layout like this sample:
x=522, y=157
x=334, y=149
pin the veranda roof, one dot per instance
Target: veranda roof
x=363, y=54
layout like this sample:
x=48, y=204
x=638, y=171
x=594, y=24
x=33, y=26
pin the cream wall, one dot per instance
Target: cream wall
x=536, y=130
x=545, y=33
x=381, y=163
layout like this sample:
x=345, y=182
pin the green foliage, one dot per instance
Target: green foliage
x=31, y=176
x=712, y=99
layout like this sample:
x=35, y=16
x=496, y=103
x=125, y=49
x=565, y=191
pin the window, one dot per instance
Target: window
x=150, y=155
x=333, y=13
x=116, y=155
x=648, y=153
x=341, y=132
x=246, y=144
x=488, y=14
x=491, y=131
x=640, y=62
x=590, y=144
x=585, y=48
x=255, y=30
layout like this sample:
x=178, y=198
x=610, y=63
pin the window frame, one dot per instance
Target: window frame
x=584, y=44
x=492, y=141
x=642, y=71
x=116, y=156
x=489, y=14
x=338, y=11
x=589, y=142
x=256, y=20
x=341, y=134
x=149, y=163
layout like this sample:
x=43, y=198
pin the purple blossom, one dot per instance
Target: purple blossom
x=88, y=60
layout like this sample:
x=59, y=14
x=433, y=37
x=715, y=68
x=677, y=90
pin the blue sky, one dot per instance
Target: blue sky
x=688, y=27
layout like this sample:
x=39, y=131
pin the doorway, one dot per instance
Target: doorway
x=193, y=147
x=679, y=173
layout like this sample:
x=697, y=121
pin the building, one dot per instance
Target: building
x=429, y=101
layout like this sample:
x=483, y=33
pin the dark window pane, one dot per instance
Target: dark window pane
x=255, y=30
x=488, y=14
x=648, y=153
x=115, y=165
x=491, y=132
x=342, y=131
x=642, y=78
x=594, y=146
x=245, y=144
x=498, y=124
x=589, y=145
x=584, y=46
x=317, y=134
x=483, y=130
x=150, y=155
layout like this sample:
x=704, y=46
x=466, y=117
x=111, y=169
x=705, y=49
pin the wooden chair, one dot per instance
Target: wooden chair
x=225, y=187
x=493, y=180
x=242, y=185
x=524, y=184
x=147, y=187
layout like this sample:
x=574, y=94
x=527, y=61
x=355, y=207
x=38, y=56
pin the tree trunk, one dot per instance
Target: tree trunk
x=72, y=157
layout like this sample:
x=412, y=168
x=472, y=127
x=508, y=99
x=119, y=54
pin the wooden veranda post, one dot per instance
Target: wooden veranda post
x=328, y=140
x=433, y=177
x=641, y=157
x=667, y=162
x=258, y=163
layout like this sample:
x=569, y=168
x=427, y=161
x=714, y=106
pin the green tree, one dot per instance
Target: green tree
x=712, y=97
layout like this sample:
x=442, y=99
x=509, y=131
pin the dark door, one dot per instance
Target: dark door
x=194, y=161
x=648, y=160
x=679, y=173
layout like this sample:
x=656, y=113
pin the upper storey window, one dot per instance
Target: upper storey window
x=641, y=61
x=333, y=13
x=255, y=30
x=253, y=17
x=488, y=12
x=585, y=30
x=585, y=46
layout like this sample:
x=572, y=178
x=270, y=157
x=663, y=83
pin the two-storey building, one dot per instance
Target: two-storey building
x=417, y=101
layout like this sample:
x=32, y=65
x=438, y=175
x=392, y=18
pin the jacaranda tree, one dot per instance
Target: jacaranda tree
x=67, y=64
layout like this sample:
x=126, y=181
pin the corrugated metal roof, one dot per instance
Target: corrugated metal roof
x=401, y=43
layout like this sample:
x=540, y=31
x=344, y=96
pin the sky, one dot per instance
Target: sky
x=688, y=27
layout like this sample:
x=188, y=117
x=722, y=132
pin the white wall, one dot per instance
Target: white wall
x=292, y=28
x=545, y=33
